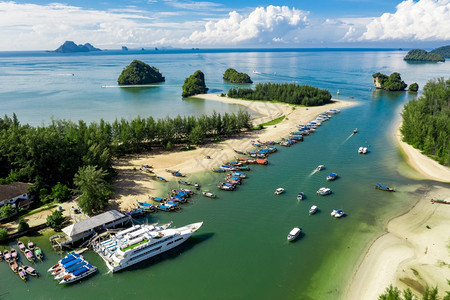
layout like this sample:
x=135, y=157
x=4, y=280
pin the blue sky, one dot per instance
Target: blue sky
x=110, y=24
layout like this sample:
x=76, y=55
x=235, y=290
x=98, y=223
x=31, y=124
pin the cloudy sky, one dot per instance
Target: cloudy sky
x=110, y=24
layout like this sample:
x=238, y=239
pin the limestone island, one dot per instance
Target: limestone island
x=420, y=55
x=392, y=82
x=194, y=84
x=71, y=47
x=234, y=76
x=444, y=51
x=138, y=72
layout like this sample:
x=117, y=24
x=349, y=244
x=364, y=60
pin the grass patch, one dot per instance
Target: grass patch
x=274, y=121
x=188, y=148
x=134, y=245
x=47, y=207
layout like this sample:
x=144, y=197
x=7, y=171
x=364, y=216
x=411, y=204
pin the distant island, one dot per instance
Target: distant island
x=234, y=76
x=392, y=82
x=138, y=72
x=194, y=84
x=443, y=51
x=420, y=55
x=71, y=47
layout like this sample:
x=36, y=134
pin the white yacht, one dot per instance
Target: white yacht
x=293, y=234
x=78, y=274
x=323, y=191
x=313, y=209
x=279, y=191
x=141, y=242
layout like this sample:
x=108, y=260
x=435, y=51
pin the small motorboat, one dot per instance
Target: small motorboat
x=332, y=177
x=184, y=182
x=7, y=255
x=300, y=196
x=22, y=274
x=339, y=213
x=22, y=247
x=161, y=179
x=365, y=150
x=196, y=186
x=293, y=234
x=323, y=191
x=362, y=150
x=209, y=195
x=31, y=245
x=355, y=130
x=320, y=168
x=313, y=209
x=384, y=188
x=279, y=191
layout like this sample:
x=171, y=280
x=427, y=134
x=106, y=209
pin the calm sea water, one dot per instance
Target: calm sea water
x=241, y=251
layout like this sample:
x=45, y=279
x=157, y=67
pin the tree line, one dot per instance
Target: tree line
x=51, y=156
x=426, y=121
x=283, y=92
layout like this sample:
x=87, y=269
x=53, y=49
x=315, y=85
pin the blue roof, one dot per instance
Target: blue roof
x=80, y=271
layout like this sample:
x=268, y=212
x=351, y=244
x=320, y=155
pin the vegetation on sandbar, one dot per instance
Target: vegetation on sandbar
x=426, y=121
x=285, y=92
x=234, y=76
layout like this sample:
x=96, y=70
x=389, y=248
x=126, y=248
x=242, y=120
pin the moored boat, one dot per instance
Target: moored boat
x=279, y=191
x=294, y=233
x=14, y=255
x=141, y=242
x=22, y=247
x=22, y=273
x=30, y=271
x=300, y=196
x=339, y=213
x=69, y=257
x=7, y=255
x=384, y=188
x=332, y=176
x=39, y=254
x=29, y=255
x=13, y=265
x=1, y=255
x=78, y=274
x=31, y=245
x=313, y=209
x=161, y=179
x=184, y=182
x=323, y=191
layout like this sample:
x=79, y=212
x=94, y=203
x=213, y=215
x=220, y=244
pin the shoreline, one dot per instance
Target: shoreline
x=413, y=252
x=132, y=185
x=425, y=166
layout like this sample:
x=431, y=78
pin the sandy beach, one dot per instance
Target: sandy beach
x=414, y=252
x=132, y=185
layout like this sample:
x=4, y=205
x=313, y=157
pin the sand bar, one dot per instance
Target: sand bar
x=132, y=185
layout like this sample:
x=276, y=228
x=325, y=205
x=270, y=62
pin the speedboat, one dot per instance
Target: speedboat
x=384, y=188
x=323, y=191
x=339, y=213
x=279, y=191
x=364, y=150
x=293, y=234
x=333, y=213
x=355, y=131
x=209, y=194
x=320, y=167
x=332, y=176
x=66, y=259
x=360, y=150
x=300, y=196
x=313, y=209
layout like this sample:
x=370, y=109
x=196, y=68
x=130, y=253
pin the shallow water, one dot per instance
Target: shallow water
x=241, y=251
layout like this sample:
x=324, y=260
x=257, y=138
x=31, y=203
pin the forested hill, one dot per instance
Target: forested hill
x=426, y=121
x=283, y=92
x=443, y=51
x=422, y=55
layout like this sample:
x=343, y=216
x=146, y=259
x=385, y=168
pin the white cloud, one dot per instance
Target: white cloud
x=425, y=20
x=262, y=25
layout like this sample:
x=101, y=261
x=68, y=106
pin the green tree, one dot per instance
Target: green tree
x=234, y=76
x=7, y=210
x=95, y=190
x=3, y=234
x=413, y=87
x=23, y=226
x=55, y=220
x=60, y=192
x=196, y=136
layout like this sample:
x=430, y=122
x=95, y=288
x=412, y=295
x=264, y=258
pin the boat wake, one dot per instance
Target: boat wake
x=313, y=172
x=352, y=134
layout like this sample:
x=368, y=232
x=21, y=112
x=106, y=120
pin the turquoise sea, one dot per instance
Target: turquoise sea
x=241, y=251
